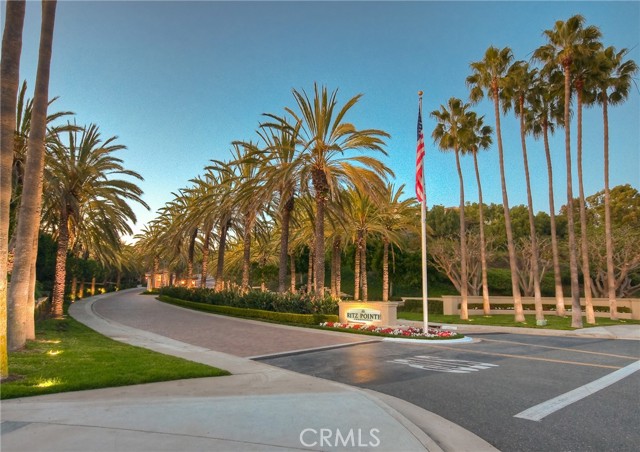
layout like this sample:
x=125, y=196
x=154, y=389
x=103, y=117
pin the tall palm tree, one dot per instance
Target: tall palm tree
x=479, y=137
x=251, y=196
x=545, y=106
x=281, y=175
x=395, y=216
x=326, y=137
x=27, y=232
x=9, y=76
x=519, y=82
x=583, y=84
x=361, y=211
x=567, y=41
x=488, y=75
x=80, y=179
x=451, y=134
x=613, y=81
x=220, y=203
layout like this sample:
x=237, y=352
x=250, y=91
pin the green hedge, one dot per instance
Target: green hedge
x=285, y=317
x=265, y=301
x=434, y=306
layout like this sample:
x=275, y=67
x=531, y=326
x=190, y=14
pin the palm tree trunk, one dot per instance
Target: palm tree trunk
x=322, y=190
x=486, y=306
x=246, y=256
x=61, y=262
x=74, y=288
x=284, y=245
x=154, y=273
x=611, y=280
x=576, y=310
x=338, y=271
x=385, y=269
x=221, y=246
x=363, y=268
x=292, y=266
x=31, y=302
x=357, y=268
x=535, y=270
x=190, y=257
x=205, y=257
x=319, y=248
x=81, y=290
x=335, y=267
x=93, y=285
x=464, y=313
x=310, y=271
x=32, y=192
x=515, y=287
x=118, y=279
x=557, y=276
x=9, y=79
x=586, y=271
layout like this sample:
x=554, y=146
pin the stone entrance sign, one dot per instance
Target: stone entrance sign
x=377, y=313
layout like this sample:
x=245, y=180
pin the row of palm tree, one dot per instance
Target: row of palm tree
x=573, y=60
x=292, y=188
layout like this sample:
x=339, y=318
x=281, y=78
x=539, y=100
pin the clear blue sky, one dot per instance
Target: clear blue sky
x=178, y=81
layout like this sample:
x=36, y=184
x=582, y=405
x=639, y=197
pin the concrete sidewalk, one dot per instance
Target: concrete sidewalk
x=259, y=407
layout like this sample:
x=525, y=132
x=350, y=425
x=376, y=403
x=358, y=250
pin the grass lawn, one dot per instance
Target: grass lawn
x=68, y=356
x=553, y=322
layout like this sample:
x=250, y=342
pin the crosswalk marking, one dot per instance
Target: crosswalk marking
x=437, y=364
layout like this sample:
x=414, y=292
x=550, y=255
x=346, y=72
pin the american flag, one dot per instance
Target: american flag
x=420, y=159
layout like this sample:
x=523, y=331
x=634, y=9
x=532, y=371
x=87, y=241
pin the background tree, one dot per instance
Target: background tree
x=489, y=75
x=451, y=133
x=567, y=41
x=613, y=81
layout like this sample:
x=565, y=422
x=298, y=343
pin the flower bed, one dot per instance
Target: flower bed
x=399, y=331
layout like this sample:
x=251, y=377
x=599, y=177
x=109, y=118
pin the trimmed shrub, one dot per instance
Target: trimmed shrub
x=434, y=306
x=265, y=301
x=285, y=317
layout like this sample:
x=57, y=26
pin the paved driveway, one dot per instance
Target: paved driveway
x=220, y=333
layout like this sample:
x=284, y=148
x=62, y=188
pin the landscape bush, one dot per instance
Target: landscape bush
x=283, y=317
x=265, y=301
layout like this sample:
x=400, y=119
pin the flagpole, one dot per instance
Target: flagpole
x=423, y=236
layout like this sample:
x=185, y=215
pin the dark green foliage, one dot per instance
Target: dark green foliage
x=267, y=301
x=499, y=280
x=281, y=317
x=434, y=306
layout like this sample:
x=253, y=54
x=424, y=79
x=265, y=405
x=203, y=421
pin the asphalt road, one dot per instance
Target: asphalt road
x=482, y=386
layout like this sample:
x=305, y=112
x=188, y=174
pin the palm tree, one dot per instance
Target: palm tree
x=361, y=212
x=251, y=196
x=583, y=68
x=281, y=175
x=488, y=75
x=567, y=41
x=219, y=203
x=79, y=180
x=395, y=216
x=451, y=134
x=9, y=76
x=545, y=108
x=519, y=81
x=613, y=82
x=27, y=232
x=326, y=138
x=480, y=138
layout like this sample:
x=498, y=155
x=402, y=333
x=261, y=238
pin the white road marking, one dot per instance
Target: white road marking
x=438, y=364
x=544, y=409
